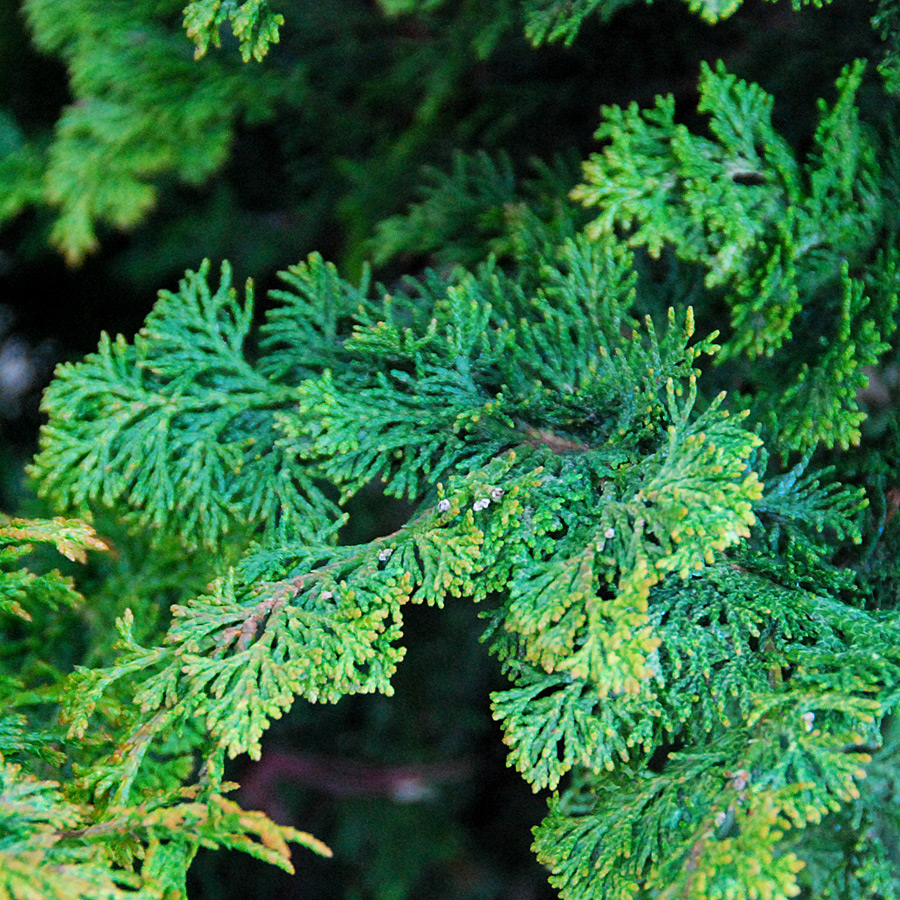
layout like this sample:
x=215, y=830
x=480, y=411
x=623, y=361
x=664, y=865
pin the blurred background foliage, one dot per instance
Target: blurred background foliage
x=123, y=161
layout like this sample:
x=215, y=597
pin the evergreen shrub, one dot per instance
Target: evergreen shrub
x=642, y=412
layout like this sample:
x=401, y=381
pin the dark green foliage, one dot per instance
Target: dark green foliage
x=887, y=23
x=773, y=236
x=329, y=131
x=636, y=420
x=169, y=437
x=498, y=446
x=480, y=209
x=124, y=129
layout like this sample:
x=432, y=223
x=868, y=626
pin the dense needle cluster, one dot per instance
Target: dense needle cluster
x=639, y=438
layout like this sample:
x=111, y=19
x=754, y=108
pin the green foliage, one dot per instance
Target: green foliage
x=323, y=138
x=770, y=234
x=552, y=442
x=53, y=847
x=648, y=445
x=419, y=396
x=552, y=20
x=34, y=861
x=56, y=842
x=70, y=538
x=209, y=450
x=252, y=22
x=140, y=109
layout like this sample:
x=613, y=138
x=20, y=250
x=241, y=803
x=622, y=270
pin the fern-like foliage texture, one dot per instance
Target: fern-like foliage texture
x=656, y=590
x=253, y=23
x=55, y=842
x=691, y=596
x=772, y=235
x=140, y=109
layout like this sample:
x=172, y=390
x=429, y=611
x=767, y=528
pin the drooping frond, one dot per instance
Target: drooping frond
x=252, y=22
